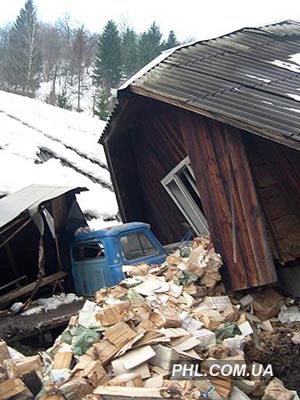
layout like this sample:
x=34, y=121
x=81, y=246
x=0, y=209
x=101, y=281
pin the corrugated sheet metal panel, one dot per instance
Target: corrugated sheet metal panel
x=247, y=76
x=29, y=199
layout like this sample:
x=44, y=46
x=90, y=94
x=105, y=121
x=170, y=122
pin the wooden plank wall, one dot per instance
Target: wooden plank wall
x=226, y=186
x=140, y=156
x=158, y=148
x=121, y=159
x=157, y=142
x=276, y=169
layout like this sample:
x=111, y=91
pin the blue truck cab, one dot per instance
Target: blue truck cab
x=97, y=257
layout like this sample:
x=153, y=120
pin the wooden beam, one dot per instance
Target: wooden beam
x=247, y=126
x=15, y=294
x=15, y=233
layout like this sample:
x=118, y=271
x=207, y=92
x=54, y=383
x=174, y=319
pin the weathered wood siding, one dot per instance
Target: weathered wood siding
x=158, y=148
x=249, y=187
x=140, y=158
x=230, y=201
x=122, y=163
x=276, y=169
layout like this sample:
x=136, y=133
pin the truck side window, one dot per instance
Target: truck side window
x=86, y=251
x=136, y=245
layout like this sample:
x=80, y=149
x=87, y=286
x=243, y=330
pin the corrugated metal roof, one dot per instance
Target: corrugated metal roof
x=29, y=199
x=248, y=78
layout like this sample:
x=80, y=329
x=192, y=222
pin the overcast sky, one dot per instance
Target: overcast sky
x=197, y=19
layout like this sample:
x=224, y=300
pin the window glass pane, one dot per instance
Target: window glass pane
x=190, y=186
x=86, y=251
x=131, y=246
x=181, y=185
x=147, y=246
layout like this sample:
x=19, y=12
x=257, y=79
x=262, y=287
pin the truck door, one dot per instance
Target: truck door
x=138, y=247
x=89, y=267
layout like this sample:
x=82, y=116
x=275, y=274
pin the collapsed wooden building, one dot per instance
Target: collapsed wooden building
x=35, y=224
x=208, y=133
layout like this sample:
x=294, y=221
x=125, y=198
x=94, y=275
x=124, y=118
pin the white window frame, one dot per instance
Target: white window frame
x=187, y=205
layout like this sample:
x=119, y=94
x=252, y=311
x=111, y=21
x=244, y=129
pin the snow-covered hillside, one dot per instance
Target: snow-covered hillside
x=43, y=144
x=87, y=93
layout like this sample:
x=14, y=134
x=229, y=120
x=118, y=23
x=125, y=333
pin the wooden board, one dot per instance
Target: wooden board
x=125, y=393
x=230, y=201
x=25, y=290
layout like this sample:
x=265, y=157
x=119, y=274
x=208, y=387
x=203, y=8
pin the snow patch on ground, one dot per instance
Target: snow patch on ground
x=86, y=98
x=51, y=303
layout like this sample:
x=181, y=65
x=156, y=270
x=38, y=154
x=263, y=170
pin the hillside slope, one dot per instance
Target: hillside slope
x=43, y=144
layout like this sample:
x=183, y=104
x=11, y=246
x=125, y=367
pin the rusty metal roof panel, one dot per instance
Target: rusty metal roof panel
x=251, y=76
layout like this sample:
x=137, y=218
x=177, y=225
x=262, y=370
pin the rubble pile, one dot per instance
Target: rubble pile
x=20, y=377
x=159, y=333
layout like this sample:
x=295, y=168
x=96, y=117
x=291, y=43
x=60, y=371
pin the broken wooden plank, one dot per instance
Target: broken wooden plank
x=119, y=334
x=113, y=314
x=4, y=353
x=18, y=368
x=125, y=393
x=16, y=293
x=63, y=359
x=129, y=380
x=105, y=350
x=14, y=389
x=76, y=388
x=93, y=372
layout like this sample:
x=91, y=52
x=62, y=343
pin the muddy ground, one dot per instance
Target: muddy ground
x=277, y=348
x=15, y=328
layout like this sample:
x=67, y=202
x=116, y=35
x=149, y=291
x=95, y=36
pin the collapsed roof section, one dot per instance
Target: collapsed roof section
x=28, y=200
x=249, y=79
x=231, y=107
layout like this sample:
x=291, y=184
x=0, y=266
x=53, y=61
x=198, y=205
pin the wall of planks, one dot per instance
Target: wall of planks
x=249, y=187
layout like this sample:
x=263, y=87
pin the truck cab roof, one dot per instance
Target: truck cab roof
x=111, y=231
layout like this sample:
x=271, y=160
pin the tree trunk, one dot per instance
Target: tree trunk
x=79, y=90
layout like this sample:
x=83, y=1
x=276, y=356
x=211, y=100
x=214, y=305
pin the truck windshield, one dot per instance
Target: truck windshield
x=86, y=251
x=137, y=245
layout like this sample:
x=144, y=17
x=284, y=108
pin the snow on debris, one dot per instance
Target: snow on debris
x=286, y=65
x=292, y=109
x=294, y=96
x=50, y=303
x=295, y=58
x=43, y=144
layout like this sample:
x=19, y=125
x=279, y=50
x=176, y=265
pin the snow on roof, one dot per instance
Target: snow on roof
x=43, y=144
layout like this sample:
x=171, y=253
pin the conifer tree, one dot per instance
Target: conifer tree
x=103, y=103
x=107, y=71
x=149, y=45
x=129, y=54
x=24, y=65
x=80, y=48
x=171, y=41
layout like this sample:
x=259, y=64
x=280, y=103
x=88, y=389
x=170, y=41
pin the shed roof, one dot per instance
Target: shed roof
x=29, y=199
x=249, y=79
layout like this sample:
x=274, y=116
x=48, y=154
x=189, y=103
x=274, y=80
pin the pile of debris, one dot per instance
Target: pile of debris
x=20, y=377
x=162, y=332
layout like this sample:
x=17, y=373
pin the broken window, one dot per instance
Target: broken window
x=86, y=251
x=181, y=185
x=137, y=245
